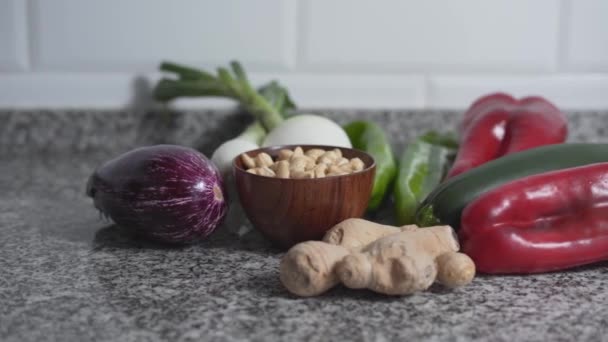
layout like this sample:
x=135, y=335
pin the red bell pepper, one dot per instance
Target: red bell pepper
x=540, y=223
x=498, y=124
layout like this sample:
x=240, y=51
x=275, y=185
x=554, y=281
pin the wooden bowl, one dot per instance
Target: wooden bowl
x=288, y=211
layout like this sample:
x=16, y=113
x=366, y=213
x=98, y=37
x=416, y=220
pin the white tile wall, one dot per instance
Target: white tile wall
x=357, y=91
x=587, y=35
x=330, y=53
x=135, y=34
x=565, y=90
x=13, y=35
x=431, y=35
x=52, y=89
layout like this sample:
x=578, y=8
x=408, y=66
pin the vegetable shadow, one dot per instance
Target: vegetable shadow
x=267, y=284
x=114, y=236
x=363, y=295
x=601, y=266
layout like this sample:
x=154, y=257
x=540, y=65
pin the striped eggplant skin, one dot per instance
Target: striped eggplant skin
x=168, y=193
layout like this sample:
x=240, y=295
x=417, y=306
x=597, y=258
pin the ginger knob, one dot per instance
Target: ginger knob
x=355, y=271
x=308, y=268
x=455, y=269
x=355, y=233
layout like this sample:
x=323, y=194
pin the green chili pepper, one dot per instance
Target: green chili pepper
x=421, y=168
x=369, y=137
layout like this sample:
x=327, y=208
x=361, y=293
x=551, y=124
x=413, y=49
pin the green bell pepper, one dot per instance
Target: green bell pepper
x=421, y=168
x=369, y=137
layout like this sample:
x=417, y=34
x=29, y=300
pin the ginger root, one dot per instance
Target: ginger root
x=308, y=269
x=356, y=233
x=385, y=259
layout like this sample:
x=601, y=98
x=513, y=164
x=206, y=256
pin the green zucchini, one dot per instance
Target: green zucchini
x=445, y=204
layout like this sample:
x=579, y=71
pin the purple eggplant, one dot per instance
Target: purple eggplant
x=165, y=192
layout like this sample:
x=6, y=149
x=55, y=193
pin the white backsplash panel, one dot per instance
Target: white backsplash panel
x=568, y=91
x=13, y=36
x=134, y=35
x=431, y=35
x=330, y=53
x=587, y=35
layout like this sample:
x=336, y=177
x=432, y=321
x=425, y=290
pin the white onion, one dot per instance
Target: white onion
x=307, y=129
x=223, y=155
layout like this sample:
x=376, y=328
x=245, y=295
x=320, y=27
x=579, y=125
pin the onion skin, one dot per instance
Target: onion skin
x=307, y=129
x=168, y=193
x=225, y=154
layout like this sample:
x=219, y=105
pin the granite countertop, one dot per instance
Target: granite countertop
x=68, y=275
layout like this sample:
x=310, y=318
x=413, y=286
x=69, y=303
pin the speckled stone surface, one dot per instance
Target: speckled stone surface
x=111, y=131
x=67, y=275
